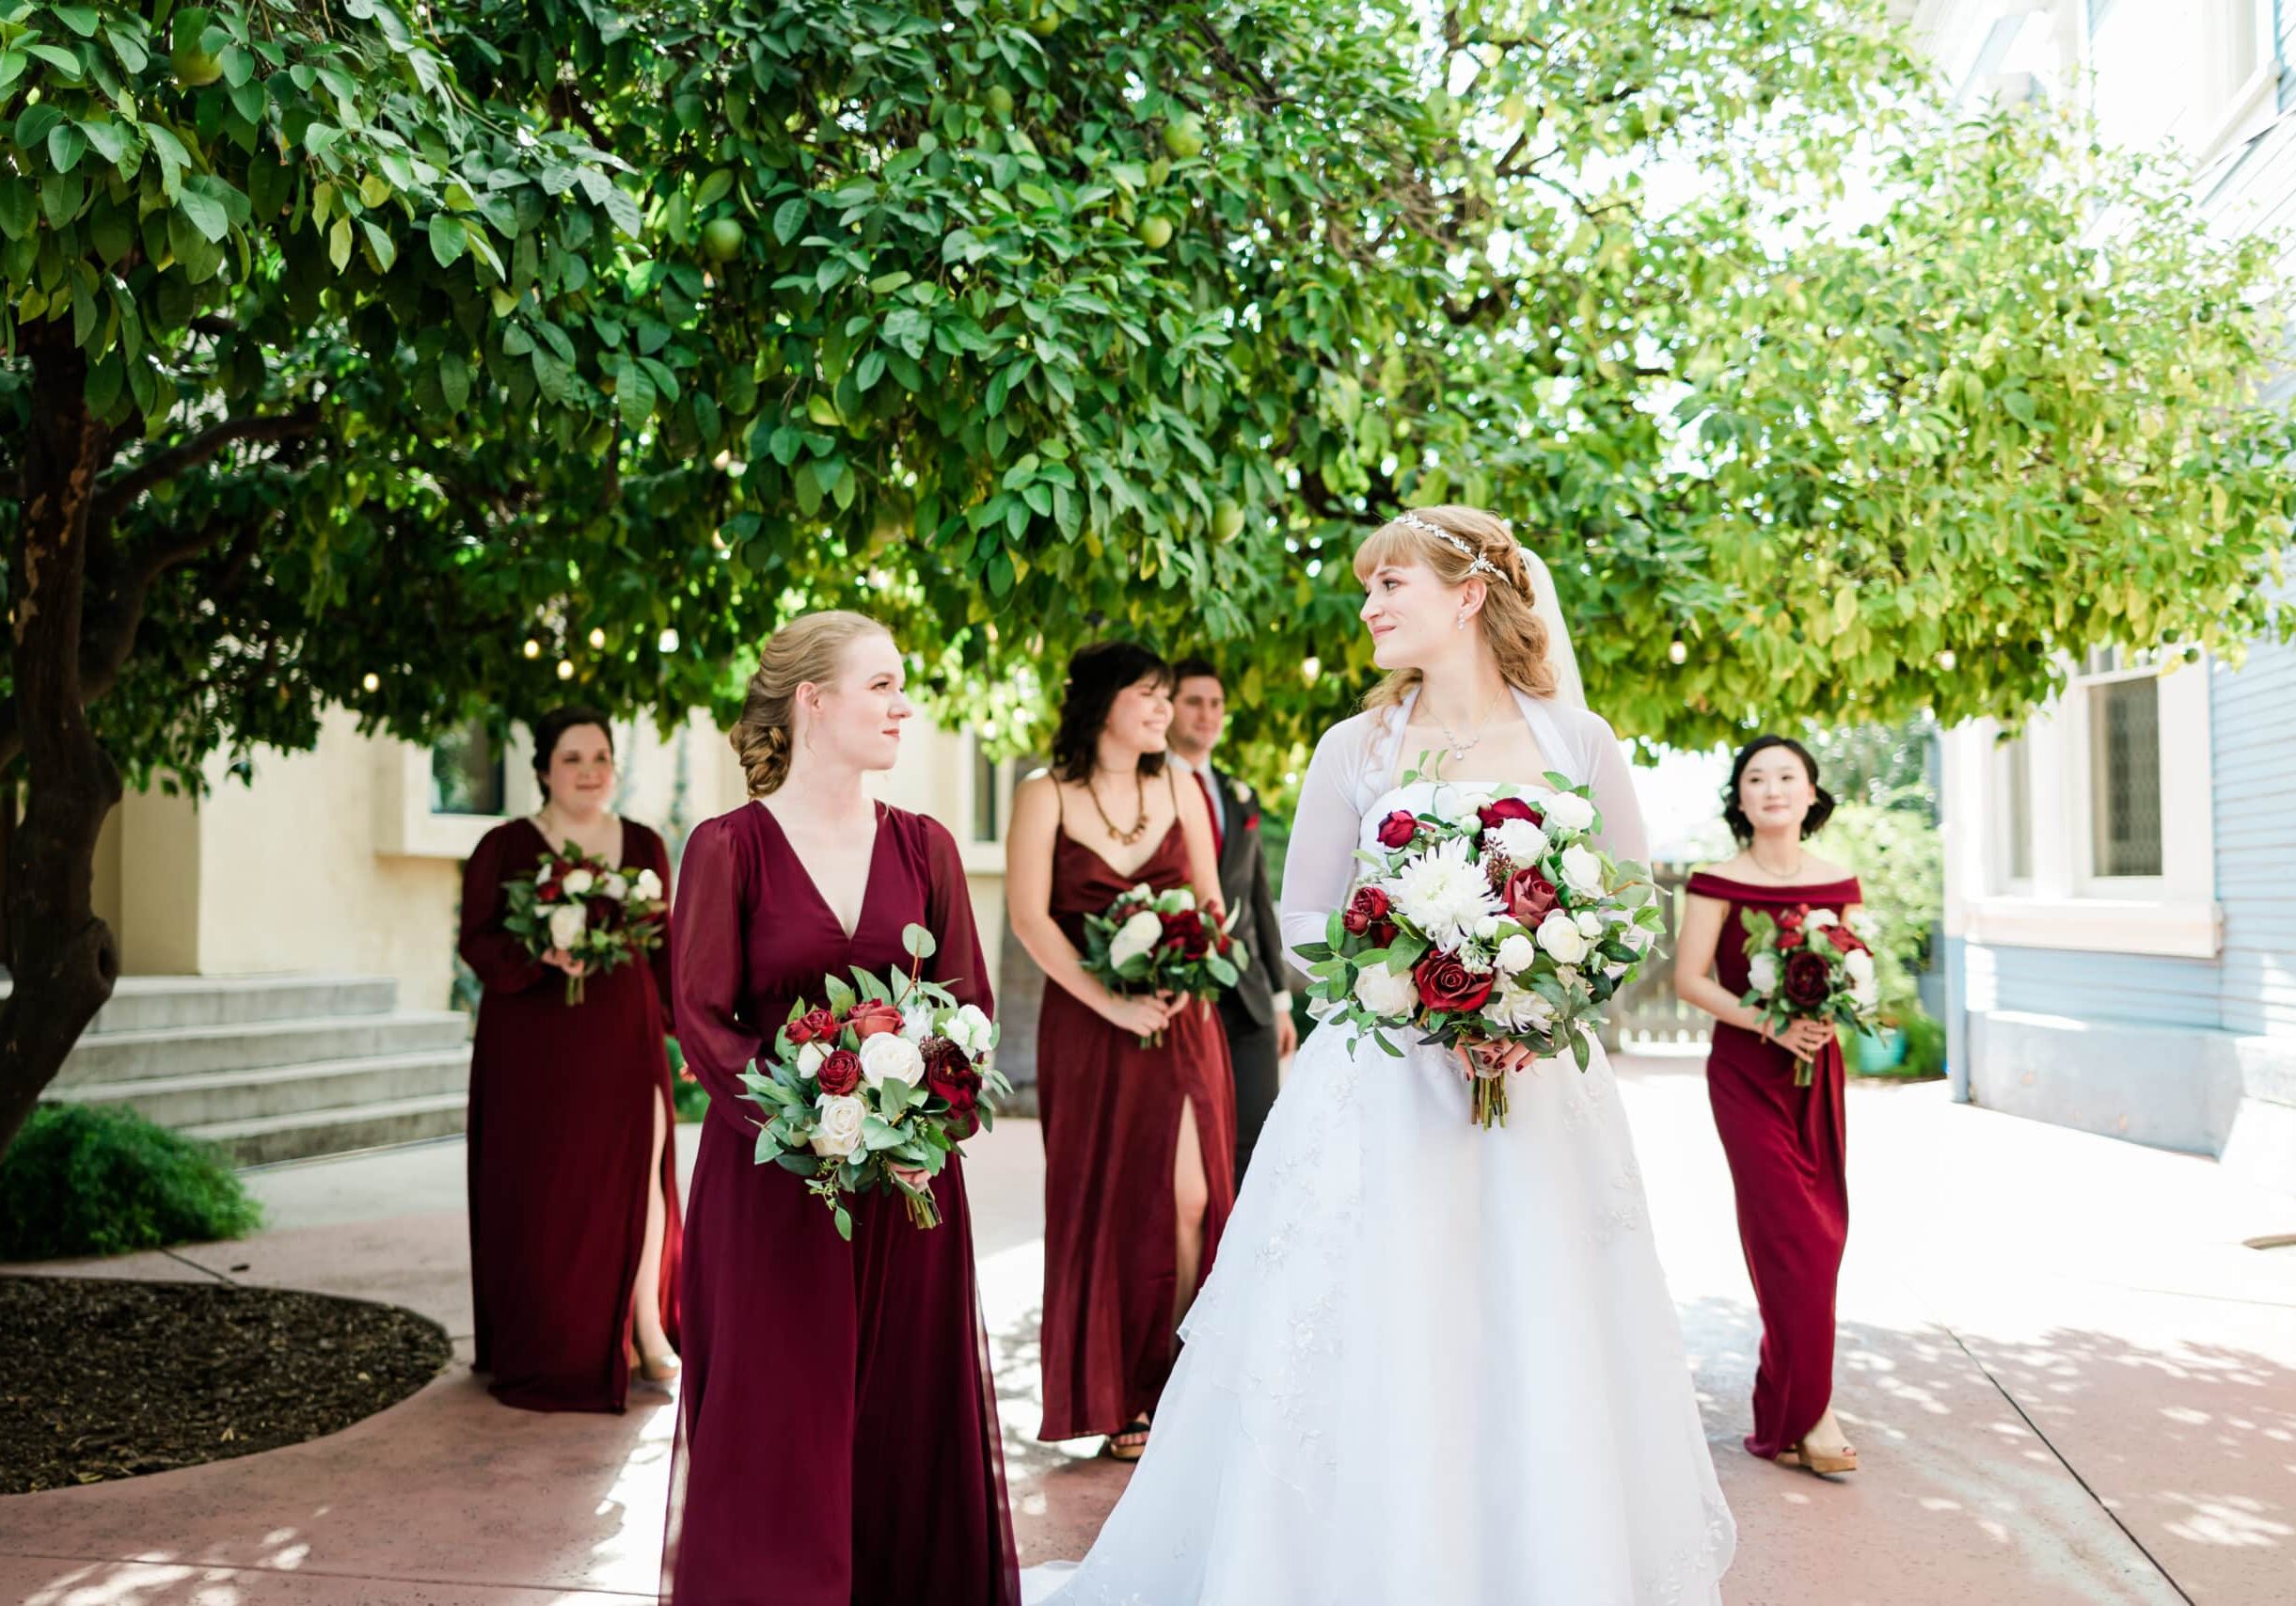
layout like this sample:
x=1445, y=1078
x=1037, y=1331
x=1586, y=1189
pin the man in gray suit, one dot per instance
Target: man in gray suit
x=1256, y=1012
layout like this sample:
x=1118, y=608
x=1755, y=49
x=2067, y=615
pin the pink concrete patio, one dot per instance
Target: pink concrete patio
x=2070, y=1382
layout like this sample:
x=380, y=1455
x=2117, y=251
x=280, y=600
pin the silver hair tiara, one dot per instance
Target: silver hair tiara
x=1476, y=563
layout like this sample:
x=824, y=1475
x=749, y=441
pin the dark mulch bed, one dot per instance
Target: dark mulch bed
x=107, y=1380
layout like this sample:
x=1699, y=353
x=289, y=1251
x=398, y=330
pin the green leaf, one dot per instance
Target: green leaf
x=339, y=242
x=66, y=144
x=18, y=207
x=449, y=240
x=206, y=214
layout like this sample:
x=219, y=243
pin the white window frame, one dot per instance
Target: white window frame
x=2064, y=904
x=405, y=827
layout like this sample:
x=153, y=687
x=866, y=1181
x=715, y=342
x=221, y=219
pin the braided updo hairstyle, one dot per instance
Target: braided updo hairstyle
x=1508, y=617
x=807, y=649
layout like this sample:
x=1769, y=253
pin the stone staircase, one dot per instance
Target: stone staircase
x=275, y=1067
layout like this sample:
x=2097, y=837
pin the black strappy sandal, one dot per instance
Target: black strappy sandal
x=1114, y=1449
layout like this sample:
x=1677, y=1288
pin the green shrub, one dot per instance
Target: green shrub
x=1924, y=1046
x=85, y=1180
x=689, y=1099
x=1899, y=861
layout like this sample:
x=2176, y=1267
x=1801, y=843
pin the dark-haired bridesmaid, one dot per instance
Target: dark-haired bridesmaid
x=1787, y=1144
x=574, y=1217
x=838, y=1440
x=1139, y=1140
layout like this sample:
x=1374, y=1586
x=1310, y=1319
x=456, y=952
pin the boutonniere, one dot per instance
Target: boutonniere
x=1251, y=821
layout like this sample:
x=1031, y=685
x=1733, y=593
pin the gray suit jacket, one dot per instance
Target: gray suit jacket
x=1244, y=886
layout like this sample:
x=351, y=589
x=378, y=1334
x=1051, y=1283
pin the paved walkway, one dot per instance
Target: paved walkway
x=2070, y=1381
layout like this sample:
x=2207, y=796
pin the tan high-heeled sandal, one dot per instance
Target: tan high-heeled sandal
x=657, y=1369
x=1824, y=1461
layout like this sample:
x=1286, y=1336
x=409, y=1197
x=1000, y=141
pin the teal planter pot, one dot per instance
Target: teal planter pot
x=1882, y=1050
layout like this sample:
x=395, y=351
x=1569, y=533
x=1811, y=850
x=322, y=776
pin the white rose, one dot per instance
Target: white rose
x=1859, y=965
x=1590, y=924
x=613, y=886
x=1821, y=918
x=889, y=1057
x=837, y=1124
x=1517, y=953
x=1560, y=935
x=577, y=882
x=1521, y=841
x=1487, y=927
x=971, y=1030
x=810, y=1055
x=1135, y=937
x=1582, y=869
x=1385, y=992
x=568, y=921
x=1463, y=809
x=1762, y=974
x=1567, y=811
x=1866, y=993
x=648, y=885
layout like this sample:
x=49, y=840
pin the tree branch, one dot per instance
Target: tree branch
x=159, y=466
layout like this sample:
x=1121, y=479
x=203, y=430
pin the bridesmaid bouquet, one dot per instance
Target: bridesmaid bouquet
x=1163, y=942
x=889, y=1076
x=603, y=916
x=1492, y=918
x=1807, y=963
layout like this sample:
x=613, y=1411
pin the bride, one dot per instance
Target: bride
x=1433, y=1364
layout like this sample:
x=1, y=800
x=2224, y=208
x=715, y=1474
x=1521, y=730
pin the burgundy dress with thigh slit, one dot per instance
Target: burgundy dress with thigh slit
x=1111, y=1111
x=562, y=1098
x=1787, y=1148
x=837, y=1442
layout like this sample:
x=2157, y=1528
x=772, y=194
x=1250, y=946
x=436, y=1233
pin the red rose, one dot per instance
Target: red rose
x=1809, y=980
x=549, y=892
x=1530, y=897
x=1791, y=940
x=1843, y=938
x=1445, y=985
x=868, y=1019
x=840, y=1072
x=1367, y=909
x=1184, y=930
x=1791, y=920
x=811, y=1026
x=1500, y=810
x=1397, y=829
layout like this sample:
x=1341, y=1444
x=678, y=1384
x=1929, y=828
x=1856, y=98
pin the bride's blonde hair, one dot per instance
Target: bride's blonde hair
x=1508, y=617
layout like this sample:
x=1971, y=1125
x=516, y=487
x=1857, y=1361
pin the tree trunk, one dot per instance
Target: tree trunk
x=64, y=960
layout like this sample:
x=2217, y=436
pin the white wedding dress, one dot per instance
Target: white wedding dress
x=1433, y=1365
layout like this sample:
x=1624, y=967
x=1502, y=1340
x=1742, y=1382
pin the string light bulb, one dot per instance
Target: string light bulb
x=532, y=647
x=1678, y=652
x=371, y=681
x=1946, y=659
x=597, y=638
x=565, y=670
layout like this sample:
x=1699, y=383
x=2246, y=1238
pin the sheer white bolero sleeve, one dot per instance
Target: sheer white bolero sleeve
x=1355, y=765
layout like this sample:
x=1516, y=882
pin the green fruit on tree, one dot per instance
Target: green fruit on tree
x=1000, y=102
x=1184, y=138
x=722, y=239
x=1045, y=23
x=1227, y=521
x=1155, y=232
x=194, y=68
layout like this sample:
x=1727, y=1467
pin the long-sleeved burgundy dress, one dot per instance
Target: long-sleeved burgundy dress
x=1787, y=1148
x=838, y=1441
x=1111, y=1110
x=561, y=1126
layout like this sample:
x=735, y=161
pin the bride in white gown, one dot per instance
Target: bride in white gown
x=1434, y=1366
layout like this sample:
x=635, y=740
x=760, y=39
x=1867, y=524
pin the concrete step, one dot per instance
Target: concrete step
x=211, y=1096
x=152, y=1003
x=184, y=1051
x=260, y=1140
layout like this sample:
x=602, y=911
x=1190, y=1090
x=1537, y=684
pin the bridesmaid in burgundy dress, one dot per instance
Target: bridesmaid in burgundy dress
x=574, y=1219
x=1787, y=1144
x=838, y=1440
x=1139, y=1142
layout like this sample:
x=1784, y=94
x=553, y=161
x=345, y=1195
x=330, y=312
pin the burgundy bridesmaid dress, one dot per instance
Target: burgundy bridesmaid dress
x=1111, y=1113
x=561, y=1126
x=837, y=1440
x=1787, y=1148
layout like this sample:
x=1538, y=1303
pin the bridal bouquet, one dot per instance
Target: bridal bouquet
x=1163, y=942
x=1807, y=963
x=1492, y=918
x=598, y=914
x=889, y=1076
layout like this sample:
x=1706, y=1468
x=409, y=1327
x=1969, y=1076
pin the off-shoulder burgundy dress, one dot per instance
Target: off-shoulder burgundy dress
x=1787, y=1148
x=838, y=1442
x=1111, y=1113
x=561, y=1127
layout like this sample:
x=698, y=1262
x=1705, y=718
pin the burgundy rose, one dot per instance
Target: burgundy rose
x=840, y=1072
x=1809, y=980
x=550, y=891
x=1843, y=939
x=1530, y=897
x=1445, y=985
x=605, y=914
x=813, y=1026
x=1791, y=919
x=950, y=1071
x=1183, y=931
x=1397, y=829
x=1500, y=810
x=868, y=1019
x=1366, y=916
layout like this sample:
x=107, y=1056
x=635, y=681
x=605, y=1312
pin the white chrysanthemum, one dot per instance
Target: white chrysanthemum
x=1582, y=869
x=1567, y=811
x=1443, y=893
x=1388, y=993
x=1135, y=937
x=1519, y=1009
x=1517, y=953
x=1762, y=974
x=1521, y=841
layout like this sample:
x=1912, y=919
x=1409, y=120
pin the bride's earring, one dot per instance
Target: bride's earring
x=1461, y=623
